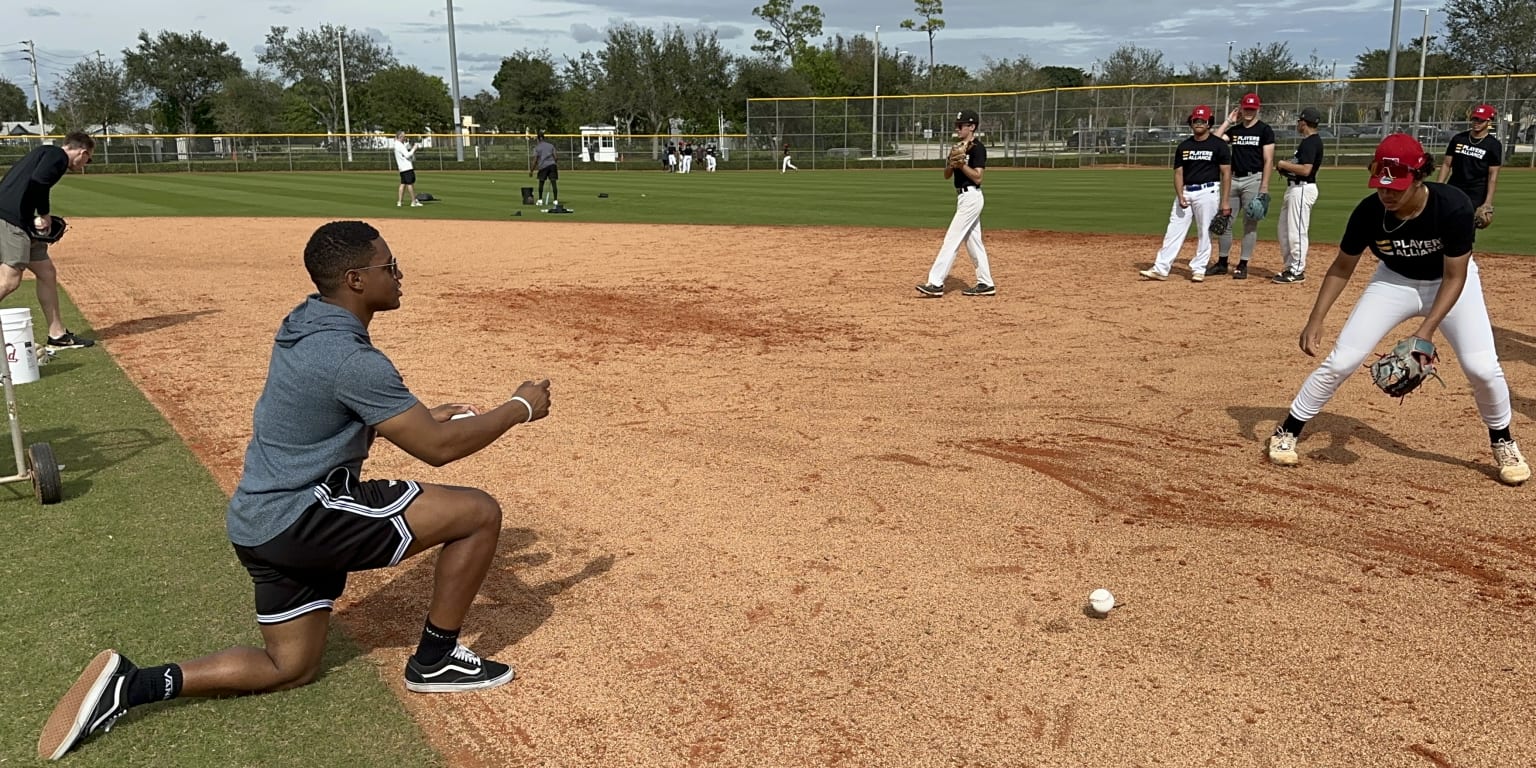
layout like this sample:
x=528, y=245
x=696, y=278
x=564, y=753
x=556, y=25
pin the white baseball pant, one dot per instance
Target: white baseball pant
x=964, y=227
x=1204, y=202
x=709, y=163
x=1388, y=300
x=1295, y=218
x=687, y=163
x=787, y=166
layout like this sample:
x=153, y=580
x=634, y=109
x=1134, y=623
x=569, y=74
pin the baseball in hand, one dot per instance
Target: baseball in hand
x=1101, y=601
x=463, y=415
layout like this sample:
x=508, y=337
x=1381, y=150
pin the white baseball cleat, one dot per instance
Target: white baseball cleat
x=1282, y=449
x=1152, y=274
x=1512, y=467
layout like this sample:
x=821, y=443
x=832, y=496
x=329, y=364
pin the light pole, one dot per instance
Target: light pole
x=1423, y=54
x=874, y=104
x=453, y=79
x=1226, y=99
x=1386, y=112
x=346, y=110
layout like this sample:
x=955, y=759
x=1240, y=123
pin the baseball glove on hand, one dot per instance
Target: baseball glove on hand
x=1258, y=207
x=1483, y=216
x=55, y=231
x=1406, y=367
x=958, y=154
x=1221, y=224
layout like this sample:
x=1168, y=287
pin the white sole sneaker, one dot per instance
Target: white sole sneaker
x=1282, y=450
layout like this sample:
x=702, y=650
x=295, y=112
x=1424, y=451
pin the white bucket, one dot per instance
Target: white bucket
x=20, y=349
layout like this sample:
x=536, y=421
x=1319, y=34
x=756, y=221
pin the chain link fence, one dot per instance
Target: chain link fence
x=1126, y=125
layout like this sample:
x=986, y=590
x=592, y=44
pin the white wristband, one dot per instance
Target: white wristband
x=527, y=405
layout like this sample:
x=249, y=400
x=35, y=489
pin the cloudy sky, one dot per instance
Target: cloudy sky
x=1061, y=33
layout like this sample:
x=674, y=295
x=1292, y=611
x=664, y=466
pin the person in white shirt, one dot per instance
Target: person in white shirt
x=405, y=154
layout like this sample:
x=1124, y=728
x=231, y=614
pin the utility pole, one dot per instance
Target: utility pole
x=453, y=71
x=1226, y=99
x=346, y=111
x=37, y=96
x=1418, y=100
x=1386, y=112
x=874, y=104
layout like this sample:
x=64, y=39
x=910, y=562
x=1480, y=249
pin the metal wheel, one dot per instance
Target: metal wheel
x=44, y=469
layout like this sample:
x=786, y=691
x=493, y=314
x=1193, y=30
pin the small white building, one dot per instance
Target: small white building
x=602, y=137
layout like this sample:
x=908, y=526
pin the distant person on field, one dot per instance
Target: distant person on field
x=405, y=158
x=544, y=162
x=786, y=166
x=24, y=205
x=303, y=517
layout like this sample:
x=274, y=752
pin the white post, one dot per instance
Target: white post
x=37, y=98
x=874, y=105
x=453, y=80
x=346, y=110
x=1226, y=99
x=1418, y=100
x=1386, y=112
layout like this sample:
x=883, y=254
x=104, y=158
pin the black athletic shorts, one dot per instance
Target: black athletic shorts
x=408, y=177
x=549, y=172
x=352, y=526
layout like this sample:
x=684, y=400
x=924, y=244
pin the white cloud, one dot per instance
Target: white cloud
x=39, y=12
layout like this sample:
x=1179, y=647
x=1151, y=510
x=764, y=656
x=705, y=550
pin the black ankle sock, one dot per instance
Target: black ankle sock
x=1495, y=435
x=152, y=684
x=1292, y=425
x=435, y=643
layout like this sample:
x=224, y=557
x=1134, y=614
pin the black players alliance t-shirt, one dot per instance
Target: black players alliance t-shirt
x=975, y=158
x=1417, y=248
x=1309, y=152
x=1202, y=160
x=1470, y=161
x=1248, y=143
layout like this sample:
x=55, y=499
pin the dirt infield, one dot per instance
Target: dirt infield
x=785, y=513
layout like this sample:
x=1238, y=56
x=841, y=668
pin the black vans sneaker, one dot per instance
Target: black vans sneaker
x=930, y=291
x=460, y=670
x=980, y=289
x=96, y=700
x=70, y=341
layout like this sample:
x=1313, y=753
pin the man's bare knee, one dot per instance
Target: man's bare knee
x=487, y=510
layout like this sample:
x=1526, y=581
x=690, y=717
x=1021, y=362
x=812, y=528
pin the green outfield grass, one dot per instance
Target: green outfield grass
x=1116, y=201
x=135, y=558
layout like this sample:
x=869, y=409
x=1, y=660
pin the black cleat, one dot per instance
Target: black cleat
x=1241, y=272
x=980, y=289
x=70, y=341
x=930, y=291
x=1219, y=268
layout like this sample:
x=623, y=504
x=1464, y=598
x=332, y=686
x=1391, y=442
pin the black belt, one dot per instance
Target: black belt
x=963, y=190
x=1198, y=187
x=1297, y=182
x=1246, y=175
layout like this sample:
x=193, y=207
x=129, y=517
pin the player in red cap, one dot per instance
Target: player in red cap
x=1202, y=173
x=1422, y=234
x=1473, y=157
x=1253, y=159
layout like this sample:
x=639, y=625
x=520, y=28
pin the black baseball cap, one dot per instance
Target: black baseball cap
x=1310, y=116
x=966, y=116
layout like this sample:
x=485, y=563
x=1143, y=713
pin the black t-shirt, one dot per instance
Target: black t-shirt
x=1417, y=248
x=24, y=190
x=1308, y=152
x=1202, y=160
x=1248, y=145
x=1470, y=161
x=976, y=157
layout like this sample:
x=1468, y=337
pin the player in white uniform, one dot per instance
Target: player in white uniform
x=405, y=156
x=966, y=225
x=1202, y=175
x=1422, y=233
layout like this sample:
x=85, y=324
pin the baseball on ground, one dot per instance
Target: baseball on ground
x=1101, y=600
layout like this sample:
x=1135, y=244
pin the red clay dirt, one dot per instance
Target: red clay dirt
x=786, y=513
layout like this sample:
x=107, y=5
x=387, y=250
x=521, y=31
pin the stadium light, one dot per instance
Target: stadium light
x=453, y=71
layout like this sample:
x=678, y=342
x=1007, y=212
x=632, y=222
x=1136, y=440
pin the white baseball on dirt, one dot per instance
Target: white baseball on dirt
x=1101, y=600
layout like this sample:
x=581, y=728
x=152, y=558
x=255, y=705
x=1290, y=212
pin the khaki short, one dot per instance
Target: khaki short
x=17, y=250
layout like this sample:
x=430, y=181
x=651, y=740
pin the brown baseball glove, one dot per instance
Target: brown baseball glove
x=1483, y=216
x=958, y=154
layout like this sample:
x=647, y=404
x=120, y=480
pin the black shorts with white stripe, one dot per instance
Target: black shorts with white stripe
x=352, y=526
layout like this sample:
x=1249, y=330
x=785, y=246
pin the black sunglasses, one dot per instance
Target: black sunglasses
x=392, y=264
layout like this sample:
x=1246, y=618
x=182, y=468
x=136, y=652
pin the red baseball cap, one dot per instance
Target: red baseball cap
x=1201, y=112
x=1251, y=101
x=1483, y=112
x=1397, y=157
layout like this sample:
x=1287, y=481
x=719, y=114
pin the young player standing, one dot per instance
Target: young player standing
x=1202, y=172
x=1422, y=234
x=1473, y=158
x=405, y=157
x=968, y=161
x=1253, y=159
x=1300, y=174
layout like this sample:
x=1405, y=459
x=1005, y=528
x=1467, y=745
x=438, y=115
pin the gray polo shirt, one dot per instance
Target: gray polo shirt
x=543, y=155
